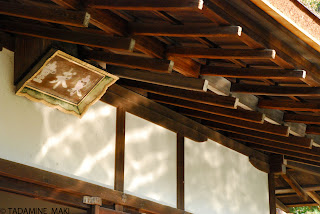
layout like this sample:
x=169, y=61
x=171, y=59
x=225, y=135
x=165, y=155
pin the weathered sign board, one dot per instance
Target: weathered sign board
x=64, y=82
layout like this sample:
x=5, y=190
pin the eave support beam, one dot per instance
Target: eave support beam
x=170, y=80
x=218, y=53
x=173, y=5
x=80, y=38
x=46, y=14
x=194, y=30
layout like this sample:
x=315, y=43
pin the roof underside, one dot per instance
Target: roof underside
x=263, y=80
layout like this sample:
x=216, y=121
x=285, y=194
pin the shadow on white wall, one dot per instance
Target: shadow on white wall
x=219, y=180
x=37, y=135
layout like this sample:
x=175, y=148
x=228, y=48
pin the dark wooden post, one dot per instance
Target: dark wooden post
x=180, y=171
x=119, y=156
x=272, y=193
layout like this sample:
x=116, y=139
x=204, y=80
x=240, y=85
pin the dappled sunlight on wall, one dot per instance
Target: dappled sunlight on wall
x=219, y=180
x=37, y=135
x=150, y=161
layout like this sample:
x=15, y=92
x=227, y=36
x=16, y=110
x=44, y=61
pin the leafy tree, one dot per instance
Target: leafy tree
x=305, y=210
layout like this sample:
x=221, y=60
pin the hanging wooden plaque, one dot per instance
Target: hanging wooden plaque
x=64, y=82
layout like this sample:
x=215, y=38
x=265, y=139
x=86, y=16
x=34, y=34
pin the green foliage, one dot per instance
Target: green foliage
x=305, y=210
x=312, y=4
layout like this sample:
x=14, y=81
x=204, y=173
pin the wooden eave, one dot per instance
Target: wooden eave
x=228, y=61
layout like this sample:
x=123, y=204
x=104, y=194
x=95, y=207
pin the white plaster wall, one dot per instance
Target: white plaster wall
x=221, y=181
x=36, y=135
x=150, y=161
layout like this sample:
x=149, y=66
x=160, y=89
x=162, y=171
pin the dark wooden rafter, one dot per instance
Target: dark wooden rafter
x=186, y=66
x=253, y=73
x=301, y=118
x=305, y=158
x=315, y=196
x=201, y=97
x=313, y=130
x=231, y=12
x=288, y=147
x=295, y=186
x=173, y=5
x=157, y=65
x=46, y=14
x=246, y=115
x=275, y=90
x=88, y=39
x=314, y=170
x=289, y=105
x=266, y=127
x=293, y=140
x=187, y=30
x=171, y=80
x=218, y=53
x=281, y=206
x=76, y=187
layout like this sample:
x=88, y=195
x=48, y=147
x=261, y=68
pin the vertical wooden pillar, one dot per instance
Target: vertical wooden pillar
x=180, y=171
x=119, y=157
x=272, y=194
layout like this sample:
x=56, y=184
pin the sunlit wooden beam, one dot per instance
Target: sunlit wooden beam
x=147, y=5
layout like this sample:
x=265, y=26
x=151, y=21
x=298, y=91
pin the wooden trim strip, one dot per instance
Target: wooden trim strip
x=74, y=186
x=180, y=171
x=289, y=105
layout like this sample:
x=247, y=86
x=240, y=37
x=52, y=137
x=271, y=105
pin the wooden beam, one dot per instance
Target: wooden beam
x=289, y=147
x=265, y=128
x=275, y=90
x=291, y=140
x=157, y=65
x=150, y=46
x=180, y=171
x=153, y=112
x=251, y=116
x=307, y=188
x=171, y=80
x=253, y=73
x=41, y=192
x=276, y=163
x=7, y=41
x=289, y=154
x=186, y=66
x=218, y=53
x=272, y=197
x=88, y=39
x=46, y=14
x=295, y=186
x=315, y=196
x=173, y=5
x=191, y=30
x=301, y=118
x=196, y=96
x=314, y=170
x=74, y=186
x=289, y=105
x=120, y=149
x=313, y=130
x=281, y=206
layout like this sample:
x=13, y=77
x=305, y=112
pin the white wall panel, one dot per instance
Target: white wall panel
x=34, y=134
x=150, y=161
x=219, y=180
